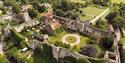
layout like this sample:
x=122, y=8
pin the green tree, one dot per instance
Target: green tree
x=59, y=12
x=4, y=11
x=118, y=22
x=16, y=8
x=35, y=5
x=41, y=9
x=3, y=59
x=101, y=24
x=32, y=13
x=106, y=42
x=111, y=15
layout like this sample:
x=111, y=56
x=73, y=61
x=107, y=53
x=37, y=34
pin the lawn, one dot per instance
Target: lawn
x=92, y=10
x=58, y=37
x=85, y=18
x=80, y=1
x=84, y=40
x=71, y=39
x=118, y=1
x=122, y=40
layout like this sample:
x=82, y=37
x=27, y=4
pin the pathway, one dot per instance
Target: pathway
x=97, y=17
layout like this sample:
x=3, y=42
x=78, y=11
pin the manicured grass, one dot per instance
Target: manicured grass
x=3, y=59
x=71, y=39
x=99, y=50
x=84, y=18
x=84, y=41
x=92, y=10
x=117, y=1
x=122, y=40
x=58, y=37
x=80, y=1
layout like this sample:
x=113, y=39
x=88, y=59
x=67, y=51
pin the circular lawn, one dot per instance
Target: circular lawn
x=71, y=39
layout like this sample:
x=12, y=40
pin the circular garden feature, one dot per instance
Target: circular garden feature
x=71, y=39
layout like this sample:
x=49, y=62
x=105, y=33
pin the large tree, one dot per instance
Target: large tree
x=32, y=13
x=111, y=15
x=101, y=2
x=106, y=42
x=16, y=8
x=59, y=12
x=41, y=9
x=118, y=22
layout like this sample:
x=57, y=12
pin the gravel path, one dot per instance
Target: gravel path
x=72, y=44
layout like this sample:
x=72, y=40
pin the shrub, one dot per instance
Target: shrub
x=88, y=50
x=32, y=13
x=106, y=42
x=59, y=12
x=41, y=9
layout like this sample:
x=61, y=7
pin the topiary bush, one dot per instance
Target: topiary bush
x=89, y=50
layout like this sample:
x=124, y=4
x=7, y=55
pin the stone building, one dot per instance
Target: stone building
x=49, y=24
x=22, y=18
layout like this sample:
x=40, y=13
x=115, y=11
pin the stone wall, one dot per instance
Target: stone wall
x=62, y=52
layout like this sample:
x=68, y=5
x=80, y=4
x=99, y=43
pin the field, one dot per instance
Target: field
x=91, y=12
x=57, y=37
x=122, y=40
x=118, y=1
x=86, y=17
x=76, y=1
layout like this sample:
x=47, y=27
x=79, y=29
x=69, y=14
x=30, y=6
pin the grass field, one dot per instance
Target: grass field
x=86, y=17
x=80, y=1
x=57, y=37
x=122, y=40
x=91, y=10
x=118, y=1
